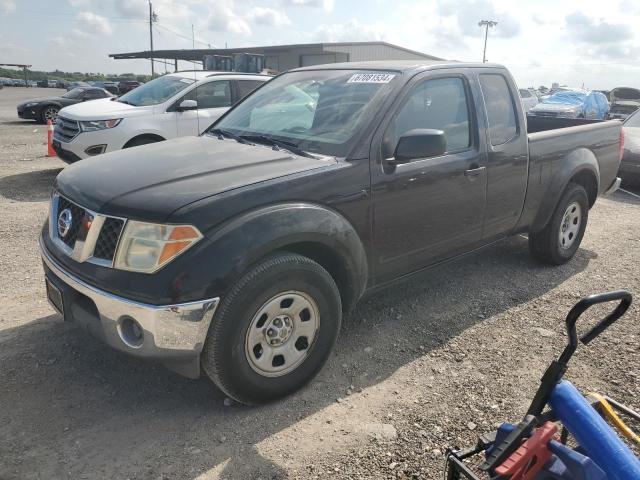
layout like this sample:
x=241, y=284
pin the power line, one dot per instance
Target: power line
x=191, y=39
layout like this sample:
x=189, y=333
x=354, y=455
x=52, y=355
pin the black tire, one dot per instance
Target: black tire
x=546, y=245
x=225, y=357
x=136, y=142
x=49, y=112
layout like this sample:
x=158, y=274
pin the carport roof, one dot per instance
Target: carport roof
x=191, y=54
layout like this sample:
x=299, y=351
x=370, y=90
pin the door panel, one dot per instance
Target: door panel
x=214, y=98
x=432, y=208
x=508, y=159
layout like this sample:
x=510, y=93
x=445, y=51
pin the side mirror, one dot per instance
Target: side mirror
x=188, y=105
x=419, y=143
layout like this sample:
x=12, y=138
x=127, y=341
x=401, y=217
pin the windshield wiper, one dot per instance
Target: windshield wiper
x=291, y=146
x=220, y=133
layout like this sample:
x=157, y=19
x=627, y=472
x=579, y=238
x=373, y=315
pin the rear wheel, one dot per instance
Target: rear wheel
x=274, y=330
x=558, y=242
x=49, y=112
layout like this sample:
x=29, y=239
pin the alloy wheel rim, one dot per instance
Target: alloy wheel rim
x=281, y=333
x=570, y=225
x=50, y=114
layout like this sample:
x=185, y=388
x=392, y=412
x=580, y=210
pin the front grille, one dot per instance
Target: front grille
x=65, y=129
x=108, y=239
x=77, y=215
x=99, y=233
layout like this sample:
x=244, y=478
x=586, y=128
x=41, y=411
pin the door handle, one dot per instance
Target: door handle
x=472, y=173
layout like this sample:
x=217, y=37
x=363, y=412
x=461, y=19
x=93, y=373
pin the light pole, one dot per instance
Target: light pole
x=152, y=18
x=486, y=24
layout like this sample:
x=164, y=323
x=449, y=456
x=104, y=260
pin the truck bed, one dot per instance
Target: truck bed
x=556, y=147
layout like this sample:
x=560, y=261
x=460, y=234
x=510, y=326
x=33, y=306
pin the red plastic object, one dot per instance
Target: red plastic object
x=531, y=456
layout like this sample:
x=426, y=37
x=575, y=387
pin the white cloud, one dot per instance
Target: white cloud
x=224, y=19
x=7, y=6
x=508, y=26
x=95, y=23
x=326, y=5
x=268, y=17
x=351, y=31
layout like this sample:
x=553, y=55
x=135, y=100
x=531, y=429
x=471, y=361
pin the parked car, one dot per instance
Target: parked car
x=7, y=82
x=624, y=101
x=238, y=250
x=127, y=85
x=173, y=105
x=111, y=87
x=630, y=165
x=573, y=104
x=44, y=109
x=73, y=85
x=43, y=83
x=528, y=98
x=19, y=83
x=52, y=83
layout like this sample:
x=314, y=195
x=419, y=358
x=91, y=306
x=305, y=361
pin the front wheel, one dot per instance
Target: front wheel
x=558, y=242
x=49, y=113
x=274, y=330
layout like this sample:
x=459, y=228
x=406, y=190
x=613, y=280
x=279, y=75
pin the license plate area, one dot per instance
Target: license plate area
x=54, y=295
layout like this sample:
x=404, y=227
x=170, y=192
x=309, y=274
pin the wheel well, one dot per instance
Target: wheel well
x=588, y=180
x=332, y=263
x=151, y=136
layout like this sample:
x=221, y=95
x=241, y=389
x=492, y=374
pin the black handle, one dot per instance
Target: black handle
x=583, y=305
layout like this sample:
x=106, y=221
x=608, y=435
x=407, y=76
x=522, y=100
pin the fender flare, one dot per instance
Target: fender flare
x=309, y=229
x=579, y=163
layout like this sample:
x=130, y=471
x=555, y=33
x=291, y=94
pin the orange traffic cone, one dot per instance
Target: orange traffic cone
x=50, y=151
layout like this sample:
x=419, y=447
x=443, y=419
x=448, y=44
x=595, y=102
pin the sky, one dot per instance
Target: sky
x=578, y=43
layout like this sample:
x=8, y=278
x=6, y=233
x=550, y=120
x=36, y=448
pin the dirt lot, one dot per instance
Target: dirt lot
x=420, y=367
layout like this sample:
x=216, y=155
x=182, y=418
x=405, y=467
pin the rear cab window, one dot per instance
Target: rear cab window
x=500, y=107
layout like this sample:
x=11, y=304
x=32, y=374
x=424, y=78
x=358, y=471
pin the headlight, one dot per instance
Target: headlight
x=147, y=247
x=31, y=104
x=94, y=125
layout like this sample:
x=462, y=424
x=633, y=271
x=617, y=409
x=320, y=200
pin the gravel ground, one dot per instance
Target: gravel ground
x=418, y=368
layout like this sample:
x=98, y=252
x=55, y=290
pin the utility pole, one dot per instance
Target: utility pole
x=487, y=24
x=152, y=18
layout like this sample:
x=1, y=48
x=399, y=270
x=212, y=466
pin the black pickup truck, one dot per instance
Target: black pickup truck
x=237, y=251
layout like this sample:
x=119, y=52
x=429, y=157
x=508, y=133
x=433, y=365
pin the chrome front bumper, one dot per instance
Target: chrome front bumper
x=170, y=333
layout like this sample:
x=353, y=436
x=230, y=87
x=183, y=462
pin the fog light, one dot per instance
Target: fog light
x=131, y=332
x=95, y=150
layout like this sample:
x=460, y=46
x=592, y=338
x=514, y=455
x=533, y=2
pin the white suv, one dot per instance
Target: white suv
x=174, y=105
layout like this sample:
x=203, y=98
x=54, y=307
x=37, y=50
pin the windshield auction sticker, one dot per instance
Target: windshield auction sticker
x=371, y=78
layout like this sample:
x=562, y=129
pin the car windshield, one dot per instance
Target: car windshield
x=74, y=93
x=156, y=91
x=318, y=111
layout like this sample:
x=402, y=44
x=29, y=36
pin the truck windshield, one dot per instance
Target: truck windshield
x=156, y=91
x=319, y=111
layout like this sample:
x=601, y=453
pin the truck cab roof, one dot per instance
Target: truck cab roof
x=404, y=66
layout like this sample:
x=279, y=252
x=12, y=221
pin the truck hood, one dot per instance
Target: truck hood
x=103, y=109
x=555, y=107
x=152, y=181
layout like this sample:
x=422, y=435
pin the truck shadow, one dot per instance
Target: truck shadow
x=30, y=186
x=73, y=406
